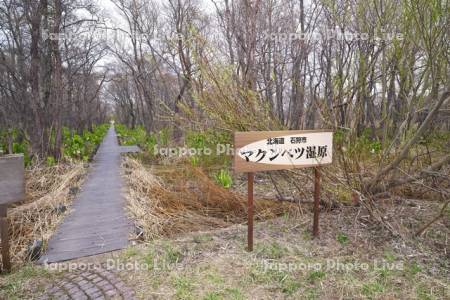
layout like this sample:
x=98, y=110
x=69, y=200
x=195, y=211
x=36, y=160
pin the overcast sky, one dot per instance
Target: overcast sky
x=117, y=21
x=111, y=8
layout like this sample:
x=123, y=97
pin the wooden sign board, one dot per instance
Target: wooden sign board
x=278, y=150
x=12, y=178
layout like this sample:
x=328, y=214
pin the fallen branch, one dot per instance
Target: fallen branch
x=372, y=185
x=425, y=172
x=435, y=219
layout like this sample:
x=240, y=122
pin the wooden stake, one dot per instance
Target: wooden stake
x=5, y=238
x=250, y=179
x=316, y=201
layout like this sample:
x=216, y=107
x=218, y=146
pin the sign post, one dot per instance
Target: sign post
x=316, y=201
x=6, y=260
x=280, y=150
x=12, y=189
x=250, y=180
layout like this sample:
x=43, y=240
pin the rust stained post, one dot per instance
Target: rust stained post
x=316, y=201
x=5, y=239
x=250, y=179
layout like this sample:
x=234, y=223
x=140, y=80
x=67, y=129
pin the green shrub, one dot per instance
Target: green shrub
x=138, y=136
x=342, y=238
x=436, y=140
x=164, y=137
x=83, y=146
x=360, y=147
x=151, y=143
x=19, y=145
x=23, y=149
x=315, y=276
x=194, y=161
x=129, y=137
x=74, y=146
x=209, y=139
x=51, y=161
x=224, y=178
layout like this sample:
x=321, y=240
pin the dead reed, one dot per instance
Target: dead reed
x=170, y=200
x=49, y=192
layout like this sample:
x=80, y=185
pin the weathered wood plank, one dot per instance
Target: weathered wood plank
x=12, y=178
x=130, y=149
x=98, y=222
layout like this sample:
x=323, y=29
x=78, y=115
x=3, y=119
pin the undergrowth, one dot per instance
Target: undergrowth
x=74, y=145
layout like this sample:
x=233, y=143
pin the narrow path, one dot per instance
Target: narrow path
x=97, y=223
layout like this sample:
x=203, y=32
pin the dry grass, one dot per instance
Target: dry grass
x=185, y=199
x=36, y=218
x=215, y=264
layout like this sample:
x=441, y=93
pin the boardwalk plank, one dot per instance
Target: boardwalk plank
x=98, y=223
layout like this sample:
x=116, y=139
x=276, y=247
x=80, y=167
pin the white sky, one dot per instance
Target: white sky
x=116, y=20
x=111, y=9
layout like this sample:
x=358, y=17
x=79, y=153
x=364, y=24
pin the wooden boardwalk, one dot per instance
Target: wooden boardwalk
x=98, y=223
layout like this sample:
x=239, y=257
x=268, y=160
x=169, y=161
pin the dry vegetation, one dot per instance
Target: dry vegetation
x=193, y=245
x=49, y=193
x=215, y=265
x=165, y=200
x=170, y=200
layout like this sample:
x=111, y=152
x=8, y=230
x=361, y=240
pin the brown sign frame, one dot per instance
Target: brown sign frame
x=242, y=139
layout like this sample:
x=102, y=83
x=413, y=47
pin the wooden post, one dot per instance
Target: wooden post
x=316, y=201
x=5, y=238
x=250, y=179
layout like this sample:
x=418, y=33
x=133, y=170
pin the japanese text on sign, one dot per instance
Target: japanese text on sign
x=282, y=150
